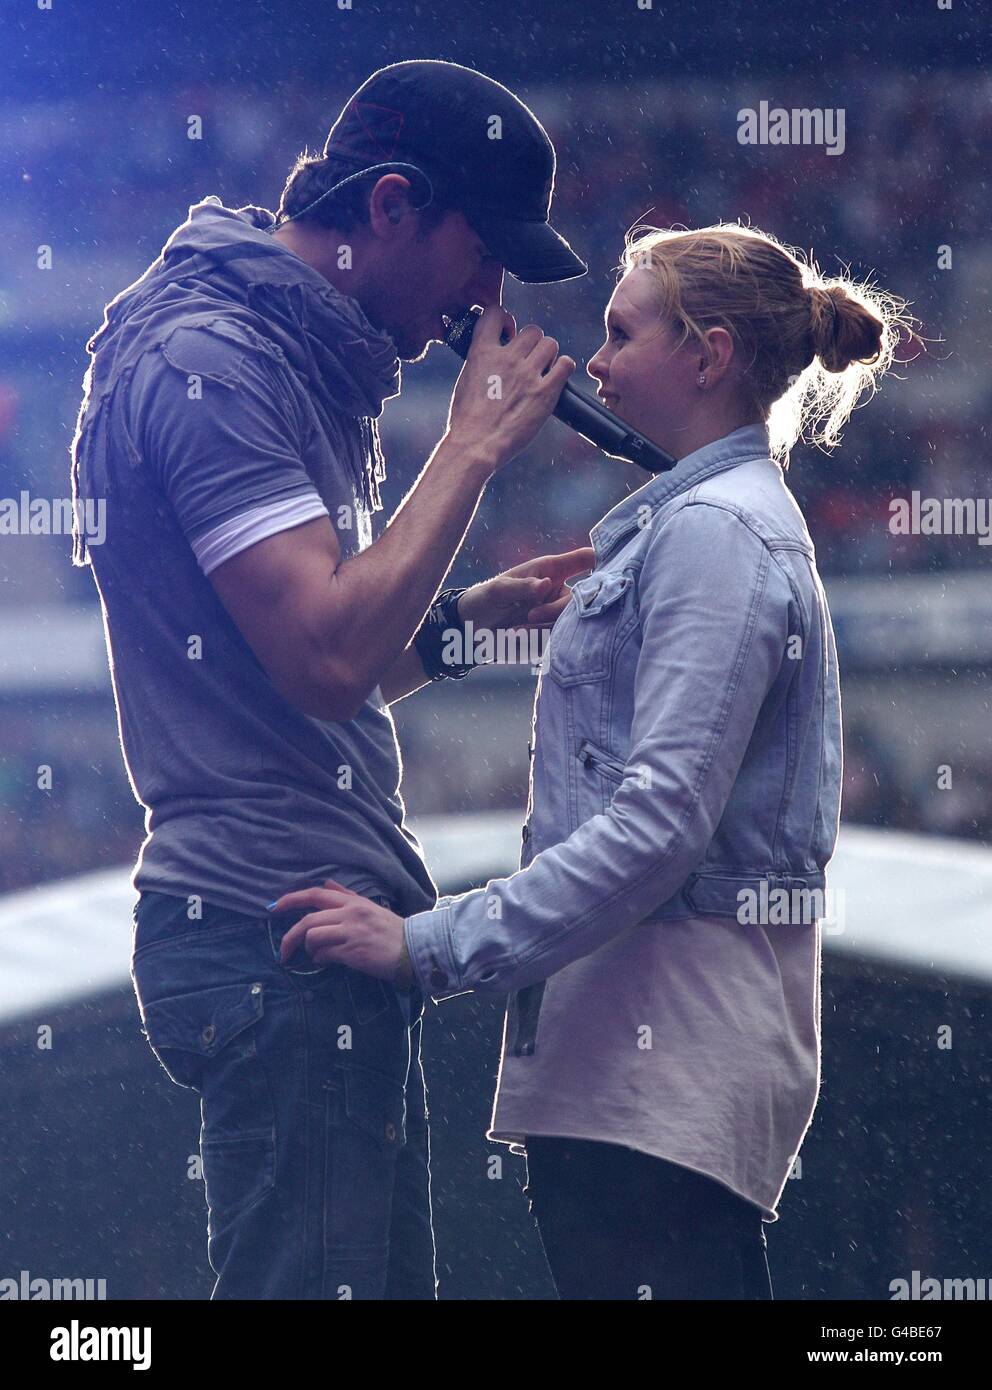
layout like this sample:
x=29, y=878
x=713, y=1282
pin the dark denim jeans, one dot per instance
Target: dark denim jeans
x=619, y=1224
x=314, y=1142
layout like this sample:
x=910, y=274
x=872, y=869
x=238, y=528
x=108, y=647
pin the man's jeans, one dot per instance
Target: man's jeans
x=314, y=1144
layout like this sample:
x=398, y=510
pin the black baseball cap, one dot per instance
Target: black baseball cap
x=477, y=147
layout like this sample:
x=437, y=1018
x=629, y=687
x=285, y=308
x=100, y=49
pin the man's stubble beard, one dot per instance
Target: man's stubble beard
x=410, y=349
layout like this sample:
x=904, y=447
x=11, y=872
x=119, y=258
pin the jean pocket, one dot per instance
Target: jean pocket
x=585, y=638
x=237, y=1173
x=377, y=1105
x=187, y=1031
x=366, y=1131
x=369, y=997
x=303, y=967
x=161, y=920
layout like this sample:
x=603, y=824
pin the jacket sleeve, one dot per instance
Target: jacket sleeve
x=714, y=617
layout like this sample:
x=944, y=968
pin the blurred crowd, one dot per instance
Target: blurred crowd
x=88, y=818
x=105, y=179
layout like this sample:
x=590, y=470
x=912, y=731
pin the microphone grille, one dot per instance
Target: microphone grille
x=459, y=337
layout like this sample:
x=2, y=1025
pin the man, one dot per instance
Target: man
x=257, y=636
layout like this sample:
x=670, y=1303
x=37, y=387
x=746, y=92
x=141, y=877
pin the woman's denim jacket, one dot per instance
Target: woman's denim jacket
x=687, y=735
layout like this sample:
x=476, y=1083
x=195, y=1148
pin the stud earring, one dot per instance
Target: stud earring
x=701, y=379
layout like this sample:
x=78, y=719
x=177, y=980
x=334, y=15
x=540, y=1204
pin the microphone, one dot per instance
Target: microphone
x=580, y=412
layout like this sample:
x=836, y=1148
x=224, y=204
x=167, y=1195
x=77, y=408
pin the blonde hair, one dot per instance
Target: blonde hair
x=812, y=346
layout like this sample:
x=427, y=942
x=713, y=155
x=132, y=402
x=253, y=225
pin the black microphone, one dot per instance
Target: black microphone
x=580, y=412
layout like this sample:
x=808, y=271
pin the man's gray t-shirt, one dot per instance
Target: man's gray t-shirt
x=193, y=421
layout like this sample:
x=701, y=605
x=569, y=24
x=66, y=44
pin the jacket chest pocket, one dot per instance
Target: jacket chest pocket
x=586, y=636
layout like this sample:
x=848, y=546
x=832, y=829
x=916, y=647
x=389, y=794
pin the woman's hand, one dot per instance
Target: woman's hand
x=346, y=929
x=527, y=596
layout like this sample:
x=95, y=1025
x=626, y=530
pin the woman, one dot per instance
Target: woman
x=661, y=1052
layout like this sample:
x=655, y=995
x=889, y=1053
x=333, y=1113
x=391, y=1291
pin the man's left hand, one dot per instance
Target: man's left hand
x=530, y=595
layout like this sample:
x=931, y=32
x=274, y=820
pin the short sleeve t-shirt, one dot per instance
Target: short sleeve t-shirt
x=225, y=449
x=205, y=445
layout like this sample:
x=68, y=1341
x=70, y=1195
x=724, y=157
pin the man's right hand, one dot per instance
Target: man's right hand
x=327, y=630
x=505, y=391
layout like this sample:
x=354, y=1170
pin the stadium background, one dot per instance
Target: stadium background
x=642, y=107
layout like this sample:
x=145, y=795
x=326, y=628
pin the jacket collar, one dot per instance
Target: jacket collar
x=743, y=445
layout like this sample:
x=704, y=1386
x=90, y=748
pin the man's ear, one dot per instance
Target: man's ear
x=389, y=203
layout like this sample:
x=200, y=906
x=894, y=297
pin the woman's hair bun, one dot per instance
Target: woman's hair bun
x=842, y=329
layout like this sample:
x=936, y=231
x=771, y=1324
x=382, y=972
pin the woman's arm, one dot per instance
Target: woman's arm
x=714, y=611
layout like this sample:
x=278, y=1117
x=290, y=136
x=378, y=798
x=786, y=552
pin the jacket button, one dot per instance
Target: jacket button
x=209, y=1033
x=438, y=978
x=390, y=1131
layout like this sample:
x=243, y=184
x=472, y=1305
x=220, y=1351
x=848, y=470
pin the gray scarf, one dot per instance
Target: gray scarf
x=223, y=255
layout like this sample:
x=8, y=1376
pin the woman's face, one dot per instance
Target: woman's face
x=644, y=376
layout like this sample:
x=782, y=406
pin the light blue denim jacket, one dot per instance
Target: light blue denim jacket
x=687, y=735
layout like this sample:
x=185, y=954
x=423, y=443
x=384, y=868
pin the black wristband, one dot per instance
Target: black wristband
x=435, y=632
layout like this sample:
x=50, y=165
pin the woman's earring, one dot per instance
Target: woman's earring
x=701, y=379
